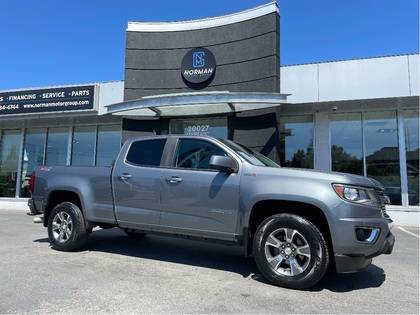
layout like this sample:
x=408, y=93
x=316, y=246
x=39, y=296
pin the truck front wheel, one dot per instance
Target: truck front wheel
x=66, y=227
x=290, y=251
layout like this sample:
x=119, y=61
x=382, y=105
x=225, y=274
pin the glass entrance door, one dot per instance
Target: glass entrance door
x=367, y=144
x=214, y=127
x=382, y=151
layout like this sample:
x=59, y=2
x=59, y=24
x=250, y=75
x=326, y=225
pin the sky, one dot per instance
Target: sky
x=52, y=42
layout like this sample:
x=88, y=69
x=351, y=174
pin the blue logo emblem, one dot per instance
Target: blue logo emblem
x=198, y=59
x=198, y=65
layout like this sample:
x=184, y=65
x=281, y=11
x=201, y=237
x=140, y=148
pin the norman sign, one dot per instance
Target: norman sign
x=198, y=65
x=47, y=100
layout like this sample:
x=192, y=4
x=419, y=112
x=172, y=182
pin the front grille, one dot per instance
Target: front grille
x=383, y=200
x=384, y=214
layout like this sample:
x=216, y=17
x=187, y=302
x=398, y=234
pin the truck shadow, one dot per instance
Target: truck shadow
x=215, y=256
x=371, y=277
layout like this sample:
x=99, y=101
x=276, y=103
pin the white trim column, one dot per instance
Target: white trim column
x=69, y=145
x=403, y=159
x=95, y=147
x=322, y=141
x=19, y=166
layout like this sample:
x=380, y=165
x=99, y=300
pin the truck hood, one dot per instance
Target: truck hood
x=333, y=177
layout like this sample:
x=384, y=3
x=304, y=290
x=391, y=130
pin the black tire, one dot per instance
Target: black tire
x=78, y=236
x=316, y=265
x=134, y=234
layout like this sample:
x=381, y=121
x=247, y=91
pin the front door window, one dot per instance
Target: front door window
x=195, y=154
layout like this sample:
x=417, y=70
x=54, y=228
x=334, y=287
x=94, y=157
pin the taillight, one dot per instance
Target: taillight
x=31, y=184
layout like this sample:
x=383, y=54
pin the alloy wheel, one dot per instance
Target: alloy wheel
x=287, y=252
x=62, y=227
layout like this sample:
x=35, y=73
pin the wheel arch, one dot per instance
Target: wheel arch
x=263, y=209
x=61, y=195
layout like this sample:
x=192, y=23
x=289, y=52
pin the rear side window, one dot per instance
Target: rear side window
x=146, y=152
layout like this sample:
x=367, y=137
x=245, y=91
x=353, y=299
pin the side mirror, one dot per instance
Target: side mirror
x=222, y=163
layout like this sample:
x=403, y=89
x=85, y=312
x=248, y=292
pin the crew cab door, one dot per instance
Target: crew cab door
x=136, y=183
x=196, y=200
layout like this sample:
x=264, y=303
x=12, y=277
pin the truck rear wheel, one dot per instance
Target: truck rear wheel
x=66, y=227
x=290, y=251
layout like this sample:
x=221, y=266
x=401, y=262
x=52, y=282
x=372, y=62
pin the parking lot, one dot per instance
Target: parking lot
x=116, y=274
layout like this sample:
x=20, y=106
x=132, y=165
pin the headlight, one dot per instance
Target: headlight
x=356, y=194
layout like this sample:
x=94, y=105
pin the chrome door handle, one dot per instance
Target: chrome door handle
x=125, y=176
x=174, y=180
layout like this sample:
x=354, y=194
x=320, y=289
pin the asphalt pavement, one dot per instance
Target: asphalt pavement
x=117, y=274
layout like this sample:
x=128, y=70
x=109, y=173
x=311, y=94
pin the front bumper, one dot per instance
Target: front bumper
x=354, y=250
x=346, y=263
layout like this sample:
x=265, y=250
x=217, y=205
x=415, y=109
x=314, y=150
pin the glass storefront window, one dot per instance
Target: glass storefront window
x=9, y=157
x=109, y=144
x=83, y=152
x=379, y=150
x=296, y=141
x=57, y=142
x=411, y=126
x=215, y=127
x=346, y=143
x=382, y=152
x=33, y=155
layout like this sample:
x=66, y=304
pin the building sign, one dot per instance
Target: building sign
x=198, y=65
x=47, y=100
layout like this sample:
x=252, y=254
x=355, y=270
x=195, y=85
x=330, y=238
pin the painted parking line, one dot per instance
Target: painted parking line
x=408, y=232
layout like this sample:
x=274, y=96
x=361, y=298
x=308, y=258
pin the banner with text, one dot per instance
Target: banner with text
x=47, y=100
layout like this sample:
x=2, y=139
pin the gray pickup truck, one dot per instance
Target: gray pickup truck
x=295, y=222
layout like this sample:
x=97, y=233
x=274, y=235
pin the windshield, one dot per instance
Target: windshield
x=251, y=156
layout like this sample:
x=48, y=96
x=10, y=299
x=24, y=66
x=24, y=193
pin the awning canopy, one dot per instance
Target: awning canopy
x=196, y=104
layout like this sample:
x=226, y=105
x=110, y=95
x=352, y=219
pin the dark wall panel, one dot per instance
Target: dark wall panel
x=233, y=52
x=246, y=53
x=261, y=85
x=228, y=74
x=203, y=37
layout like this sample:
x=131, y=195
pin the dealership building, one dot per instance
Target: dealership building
x=221, y=76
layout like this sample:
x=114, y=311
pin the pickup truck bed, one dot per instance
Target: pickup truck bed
x=94, y=183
